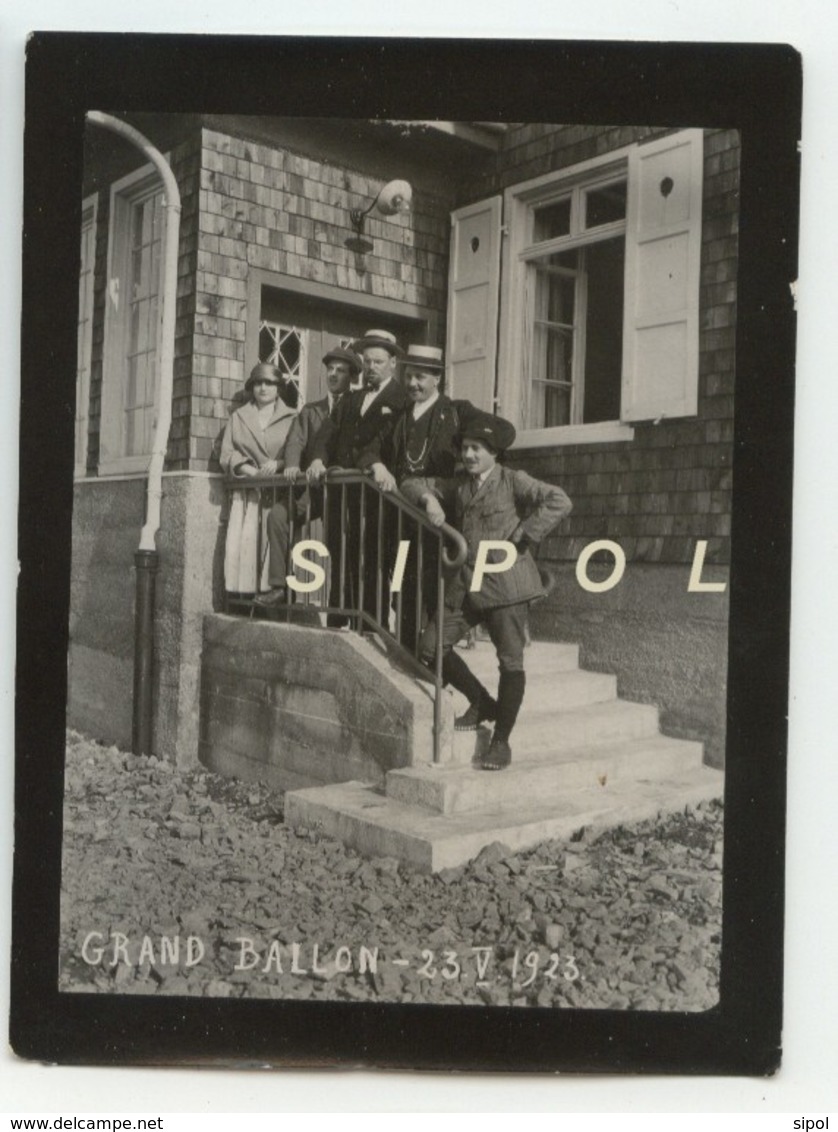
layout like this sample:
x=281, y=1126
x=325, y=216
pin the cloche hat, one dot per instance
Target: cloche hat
x=266, y=372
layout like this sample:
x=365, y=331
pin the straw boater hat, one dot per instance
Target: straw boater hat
x=496, y=432
x=266, y=372
x=339, y=354
x=381, y=338
x=423, y=357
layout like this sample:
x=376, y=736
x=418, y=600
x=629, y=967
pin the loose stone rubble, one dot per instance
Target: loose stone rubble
x=190, y=884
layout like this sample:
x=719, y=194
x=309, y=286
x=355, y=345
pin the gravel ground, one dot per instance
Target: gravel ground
x=189, y=884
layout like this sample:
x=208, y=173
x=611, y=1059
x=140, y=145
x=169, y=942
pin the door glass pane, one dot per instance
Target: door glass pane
x=285, y=347
x=267, y=344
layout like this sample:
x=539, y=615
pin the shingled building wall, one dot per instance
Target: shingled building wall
x=269, y=208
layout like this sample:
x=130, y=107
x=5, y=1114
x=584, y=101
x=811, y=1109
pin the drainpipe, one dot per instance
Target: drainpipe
x=146, y=558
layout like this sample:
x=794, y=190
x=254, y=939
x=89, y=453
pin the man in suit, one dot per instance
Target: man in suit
x=342, y=367
x=362, y=429
x=488, y=502
x=424, y=443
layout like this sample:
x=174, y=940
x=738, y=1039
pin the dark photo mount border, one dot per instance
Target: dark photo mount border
x=753, y=88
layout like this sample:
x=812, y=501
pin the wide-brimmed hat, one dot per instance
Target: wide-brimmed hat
x=496, y=432
x=381, y=338
x=339, y=354
x=266, y=372
x=423, y=357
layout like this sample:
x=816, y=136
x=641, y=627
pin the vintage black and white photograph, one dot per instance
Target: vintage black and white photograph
x=400, y=568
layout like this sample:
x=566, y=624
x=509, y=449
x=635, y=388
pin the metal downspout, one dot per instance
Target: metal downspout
x=146, y=557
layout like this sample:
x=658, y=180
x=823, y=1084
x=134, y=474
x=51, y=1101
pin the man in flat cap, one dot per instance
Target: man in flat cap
x=362, y=427
x=342, y=367
x=487, y=501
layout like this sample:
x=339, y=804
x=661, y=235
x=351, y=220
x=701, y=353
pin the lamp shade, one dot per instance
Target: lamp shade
x=395, y=197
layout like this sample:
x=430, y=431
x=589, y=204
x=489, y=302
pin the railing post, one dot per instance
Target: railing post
x=440, y=614
x=379, y=550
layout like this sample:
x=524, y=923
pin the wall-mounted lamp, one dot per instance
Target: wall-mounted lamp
x=393, y=197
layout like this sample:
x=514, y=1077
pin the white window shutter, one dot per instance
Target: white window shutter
x=663, y=260
x=473, y=301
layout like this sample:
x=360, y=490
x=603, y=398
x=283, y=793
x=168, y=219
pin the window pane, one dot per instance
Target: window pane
x=560, y=293
x=136, y=226
x=131, y=388
x=605, y=205
x=552, y=376
x=551, y=220
x=147, y=209
x=555, y=288
x=556, y=405
x=604, y=335
x=134, y=330
x=157, y=218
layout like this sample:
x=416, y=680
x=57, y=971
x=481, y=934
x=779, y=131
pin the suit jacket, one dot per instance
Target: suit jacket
x=347, y=440
x=510, y=506
x=300, y=443
x=442, y=453
x=245, y=442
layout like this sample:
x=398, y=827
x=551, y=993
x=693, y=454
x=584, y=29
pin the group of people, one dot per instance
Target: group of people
x=442, y=455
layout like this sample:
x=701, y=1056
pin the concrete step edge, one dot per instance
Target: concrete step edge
x=689, y=748
x=464, y=788
x=359, y=816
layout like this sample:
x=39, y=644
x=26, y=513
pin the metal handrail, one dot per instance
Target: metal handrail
x=354, y=516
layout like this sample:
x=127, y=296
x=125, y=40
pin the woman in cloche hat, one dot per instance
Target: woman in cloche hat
x=252, y=445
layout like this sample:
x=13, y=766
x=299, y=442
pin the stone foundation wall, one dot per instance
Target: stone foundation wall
x=107, y=518
x=295, y=706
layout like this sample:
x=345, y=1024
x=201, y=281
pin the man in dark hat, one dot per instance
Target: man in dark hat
x=489, y=502
x=363, y=425
x=342, y=367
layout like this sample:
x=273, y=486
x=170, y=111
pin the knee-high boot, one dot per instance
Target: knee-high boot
x=482, y=706
x=510, y=697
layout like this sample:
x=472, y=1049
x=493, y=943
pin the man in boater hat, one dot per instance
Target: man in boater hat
x=487, y=501
x=425, y=442
x=363, y=423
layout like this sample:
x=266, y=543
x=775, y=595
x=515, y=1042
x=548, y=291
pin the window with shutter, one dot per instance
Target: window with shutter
x=600, y=294
x=660, y=339
x=473, y=302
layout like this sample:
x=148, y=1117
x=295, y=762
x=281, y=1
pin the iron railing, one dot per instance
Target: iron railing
x=363, y=528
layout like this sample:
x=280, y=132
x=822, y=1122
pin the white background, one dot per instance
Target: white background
x=806, y=1082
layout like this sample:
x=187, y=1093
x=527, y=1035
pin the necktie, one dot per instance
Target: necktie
x=370, y=392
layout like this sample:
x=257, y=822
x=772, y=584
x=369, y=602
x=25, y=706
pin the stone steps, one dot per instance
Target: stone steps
x=545, y=736
x=581, y=757
x=540, y=658
x=379, y=826
x=458, y=789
